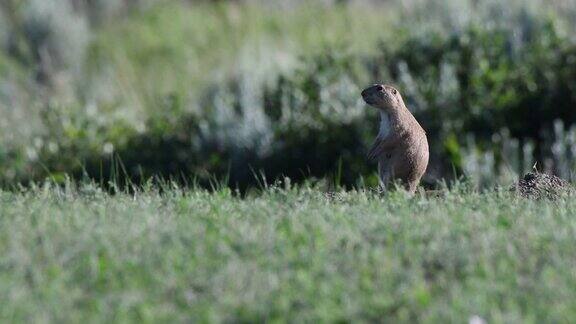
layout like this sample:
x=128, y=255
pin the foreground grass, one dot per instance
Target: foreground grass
x=76, y=255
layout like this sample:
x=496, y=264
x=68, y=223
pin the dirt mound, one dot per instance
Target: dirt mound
x=537, y=185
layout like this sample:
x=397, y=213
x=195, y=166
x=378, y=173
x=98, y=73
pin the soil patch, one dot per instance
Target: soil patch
x=535, y=185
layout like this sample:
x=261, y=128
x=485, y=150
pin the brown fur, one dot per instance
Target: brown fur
x=402, y=149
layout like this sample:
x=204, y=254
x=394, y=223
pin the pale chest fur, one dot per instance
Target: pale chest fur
x=385, y=126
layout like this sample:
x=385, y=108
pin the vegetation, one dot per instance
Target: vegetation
x=116, y=116
x=290, y=254
x=200, y=90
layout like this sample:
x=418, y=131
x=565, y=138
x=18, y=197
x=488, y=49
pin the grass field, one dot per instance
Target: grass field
x=284, y=254
x=94, y=91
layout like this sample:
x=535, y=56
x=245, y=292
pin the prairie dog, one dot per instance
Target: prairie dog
x=401, y=146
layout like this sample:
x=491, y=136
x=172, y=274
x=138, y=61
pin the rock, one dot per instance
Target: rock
x=535, y=185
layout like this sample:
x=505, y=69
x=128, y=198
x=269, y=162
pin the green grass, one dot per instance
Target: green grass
x=72, y=255
x=176, y=49
x=132, y=64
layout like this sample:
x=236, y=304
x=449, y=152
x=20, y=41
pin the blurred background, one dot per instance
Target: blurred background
x=226, y=90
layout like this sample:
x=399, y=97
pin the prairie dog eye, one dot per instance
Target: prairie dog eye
x=394, y=91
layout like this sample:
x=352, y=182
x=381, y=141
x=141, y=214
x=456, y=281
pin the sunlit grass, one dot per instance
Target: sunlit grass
x=183, y=49
x=203, y=83
x=71, y=255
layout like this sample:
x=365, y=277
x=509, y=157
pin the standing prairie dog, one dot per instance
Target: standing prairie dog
x=401, y=147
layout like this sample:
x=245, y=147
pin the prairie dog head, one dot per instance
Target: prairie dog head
x=383, y=97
